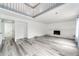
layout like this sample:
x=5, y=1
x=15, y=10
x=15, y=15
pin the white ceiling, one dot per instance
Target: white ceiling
x=29, y=9
x=65, y=12
x=61, y=13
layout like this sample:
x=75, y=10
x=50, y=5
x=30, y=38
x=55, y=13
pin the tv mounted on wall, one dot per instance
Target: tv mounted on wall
x=56, y=32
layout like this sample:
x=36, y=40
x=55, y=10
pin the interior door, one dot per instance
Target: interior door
x=8, y=30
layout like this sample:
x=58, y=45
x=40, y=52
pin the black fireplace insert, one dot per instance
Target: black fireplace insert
x=56, y=32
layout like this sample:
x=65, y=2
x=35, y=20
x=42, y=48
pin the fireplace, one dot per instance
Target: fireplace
x=56, y=32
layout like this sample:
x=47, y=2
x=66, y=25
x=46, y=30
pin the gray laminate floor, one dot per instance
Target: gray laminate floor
x=40, y=46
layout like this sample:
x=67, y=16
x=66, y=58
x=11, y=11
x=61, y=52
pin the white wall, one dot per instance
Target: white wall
x=29, y=29
x=33, y=28
x=20, y=30
x=67, y=28
x=37, y=29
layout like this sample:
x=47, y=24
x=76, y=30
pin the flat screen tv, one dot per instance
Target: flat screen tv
x=56, y=32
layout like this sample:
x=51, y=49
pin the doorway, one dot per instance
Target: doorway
x=9, y=29
x=6, y=30
x=77, y=32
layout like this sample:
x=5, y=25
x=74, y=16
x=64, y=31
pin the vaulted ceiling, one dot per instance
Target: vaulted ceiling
x=45, y=12
x=30, y=9
x=66, y=12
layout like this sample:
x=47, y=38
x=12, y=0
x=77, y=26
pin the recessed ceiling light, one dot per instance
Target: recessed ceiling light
x=56, y=12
